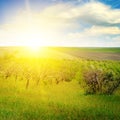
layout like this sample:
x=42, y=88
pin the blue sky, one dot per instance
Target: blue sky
x=92, y=23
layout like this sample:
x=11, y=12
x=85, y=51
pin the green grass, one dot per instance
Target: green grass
x=65, y=101
x=89, y=49
x=51, y=101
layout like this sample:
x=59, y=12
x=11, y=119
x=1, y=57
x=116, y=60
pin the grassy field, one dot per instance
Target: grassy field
x=92, y=53
x=46, y=84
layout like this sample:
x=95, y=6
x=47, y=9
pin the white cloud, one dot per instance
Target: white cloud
x=101, y=30
x=58, y=24
x=95, y=31
x=117, y=38
x=91, y=12
x=96, y=36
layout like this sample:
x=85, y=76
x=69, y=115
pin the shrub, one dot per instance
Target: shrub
x=100, y=82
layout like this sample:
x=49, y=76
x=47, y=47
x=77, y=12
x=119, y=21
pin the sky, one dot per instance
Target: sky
x=81, y=23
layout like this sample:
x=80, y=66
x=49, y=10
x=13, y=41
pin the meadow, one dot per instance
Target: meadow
x=59, y=83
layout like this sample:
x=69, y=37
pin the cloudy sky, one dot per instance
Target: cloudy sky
x=86, y=23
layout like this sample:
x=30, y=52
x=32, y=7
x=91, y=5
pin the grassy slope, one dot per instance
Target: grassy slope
x=89, y=49
x=58, y=102
x=92, y=53
x=64, y=101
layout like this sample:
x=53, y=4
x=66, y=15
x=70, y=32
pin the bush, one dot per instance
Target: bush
x=100, y=82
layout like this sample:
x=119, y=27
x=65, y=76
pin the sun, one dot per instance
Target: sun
x=34, y=48
x=35, y=45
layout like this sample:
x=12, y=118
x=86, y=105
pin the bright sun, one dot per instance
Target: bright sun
x=34, y=48
x=34, y=51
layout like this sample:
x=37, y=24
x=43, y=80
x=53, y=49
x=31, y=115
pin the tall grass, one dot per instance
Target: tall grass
x=50, y=88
